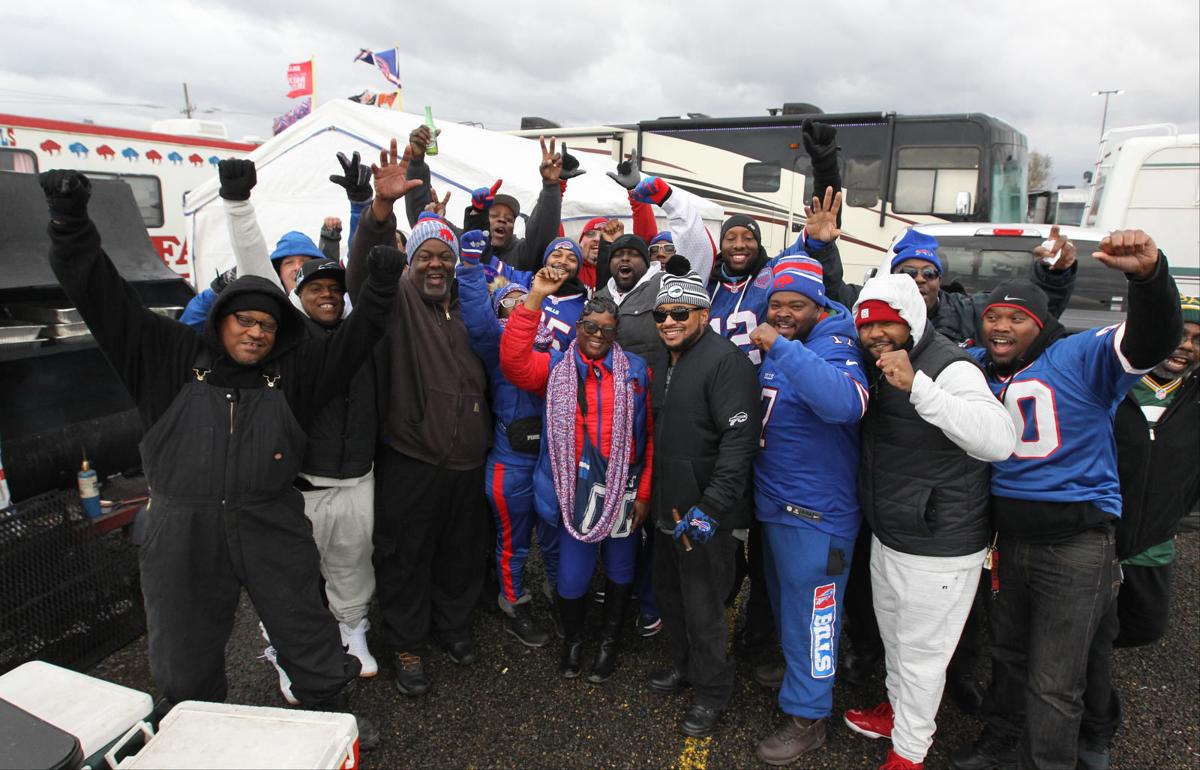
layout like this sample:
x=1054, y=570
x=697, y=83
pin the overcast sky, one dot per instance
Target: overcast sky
x=1033, y=64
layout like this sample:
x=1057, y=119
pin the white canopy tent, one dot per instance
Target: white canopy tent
x=294, y=191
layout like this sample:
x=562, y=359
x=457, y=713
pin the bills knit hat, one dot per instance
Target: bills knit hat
x=563, y=243
x=682, y=290
x=504, y=291
x=431, y=229
x=803, y=275
x=916, y=245
x=1021, y=295
x=662, y=237
x=595, y=223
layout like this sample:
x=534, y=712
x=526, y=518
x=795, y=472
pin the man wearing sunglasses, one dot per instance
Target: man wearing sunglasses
x=705, y=437
x=225, y=415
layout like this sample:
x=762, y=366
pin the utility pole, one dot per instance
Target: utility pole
x=188, y=107
x=1106, y=95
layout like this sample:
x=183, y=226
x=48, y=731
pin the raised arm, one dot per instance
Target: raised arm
x=483, y=328
x=688, y=232
x=418, y=197
x=1154, y=322
x=520, y=362
x=543, y=222
x=377, y=226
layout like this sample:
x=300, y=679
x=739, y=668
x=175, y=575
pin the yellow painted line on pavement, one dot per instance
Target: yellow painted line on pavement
x=695, y=753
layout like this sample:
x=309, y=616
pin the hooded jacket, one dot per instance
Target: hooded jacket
x=432, y=387
x=923, y=480
x=154, y=355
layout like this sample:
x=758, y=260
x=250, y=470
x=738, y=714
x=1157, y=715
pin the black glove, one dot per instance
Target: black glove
x=385, y=263
x=820, y=142
x=238, y=177
x=331, y=233
x=628, y=174
x=67, y=194
x=355, y=178
x=570, y=168
x=224, y=279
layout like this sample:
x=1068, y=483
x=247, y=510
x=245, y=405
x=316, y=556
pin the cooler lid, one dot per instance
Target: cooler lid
x=29, y=742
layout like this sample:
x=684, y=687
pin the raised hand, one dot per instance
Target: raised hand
x=482, y=198
x=67, y=194
x=651, y=190
x=391, y=182
x=552, y=164
x=471, y=246
x=612, y=230
x=897, y=368
x=1058, y=252
x=764, y=336
x=386, y=263
x=238, y=177
x=628, y=172
x=1131, y=251
x=419, y=140
x=436, y=206
x=332, y=223
x=545, y=282
x=571, y=167
x=355, y=178
x=821, y=217
x=820, y=140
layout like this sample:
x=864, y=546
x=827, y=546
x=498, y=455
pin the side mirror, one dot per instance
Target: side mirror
x=962, y=204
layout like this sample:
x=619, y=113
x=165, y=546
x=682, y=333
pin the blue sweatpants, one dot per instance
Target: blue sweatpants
x=808, y=609
x=577, y=562
x=509, y=487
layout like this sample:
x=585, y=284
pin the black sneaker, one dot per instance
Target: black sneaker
x=410, y=675
x=461, y=652
x=990, y=751
x=520, y=624
x=648, y=625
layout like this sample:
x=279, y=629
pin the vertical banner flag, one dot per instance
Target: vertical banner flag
x=291, y=116
x=300, y=79
x=386, y=61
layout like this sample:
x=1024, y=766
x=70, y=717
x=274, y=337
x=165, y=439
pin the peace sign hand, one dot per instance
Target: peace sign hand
x=551, y=167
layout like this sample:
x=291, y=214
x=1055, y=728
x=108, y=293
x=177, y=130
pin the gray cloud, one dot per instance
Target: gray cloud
x=1031, y=64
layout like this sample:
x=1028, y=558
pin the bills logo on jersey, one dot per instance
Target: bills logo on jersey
x=824, y=617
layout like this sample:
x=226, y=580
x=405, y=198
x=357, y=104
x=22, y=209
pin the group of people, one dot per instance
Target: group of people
x=681, y=411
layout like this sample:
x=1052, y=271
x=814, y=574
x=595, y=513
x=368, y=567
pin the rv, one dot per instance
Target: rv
x=159, y=166
x=897, y=170
x=1148, y=177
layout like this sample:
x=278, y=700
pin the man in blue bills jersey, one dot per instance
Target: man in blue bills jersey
x=1055, y=501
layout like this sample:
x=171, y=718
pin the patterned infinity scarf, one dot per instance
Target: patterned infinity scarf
x=562, y=400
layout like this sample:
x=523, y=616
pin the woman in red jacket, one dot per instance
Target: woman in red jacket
x=597, y=408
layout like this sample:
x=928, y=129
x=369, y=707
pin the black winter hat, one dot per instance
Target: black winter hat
x=630, y=241
x=1022, y=295
x=741, y=220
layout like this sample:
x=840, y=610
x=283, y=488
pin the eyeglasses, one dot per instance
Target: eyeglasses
x=512, y=301
x=591, y=329
x=928, y=273
x=246, y=322
x=659, y=248
x=679, y=314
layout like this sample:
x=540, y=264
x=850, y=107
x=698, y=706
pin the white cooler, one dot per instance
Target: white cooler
x=93, y=710
x=218, y=735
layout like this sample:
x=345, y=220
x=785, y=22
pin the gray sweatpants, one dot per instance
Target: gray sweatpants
x=343, y=520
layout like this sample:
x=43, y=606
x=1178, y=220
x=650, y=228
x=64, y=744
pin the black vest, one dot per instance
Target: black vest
x=919, y=491
x=341, y=439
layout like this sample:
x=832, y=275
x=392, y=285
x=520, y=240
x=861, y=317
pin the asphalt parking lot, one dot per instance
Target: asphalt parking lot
x=511, y=709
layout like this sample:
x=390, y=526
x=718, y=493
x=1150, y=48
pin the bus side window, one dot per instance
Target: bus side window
x=20, y=161
x=147, y=193
x=862, y=177
x=761, y=177
x=929, y=179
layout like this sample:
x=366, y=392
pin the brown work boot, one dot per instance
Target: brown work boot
x=794, y=737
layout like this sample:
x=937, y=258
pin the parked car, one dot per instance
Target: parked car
x=979, y=257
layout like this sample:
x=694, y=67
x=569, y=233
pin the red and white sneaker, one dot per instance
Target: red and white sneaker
x=896, y=762
x=873, y=723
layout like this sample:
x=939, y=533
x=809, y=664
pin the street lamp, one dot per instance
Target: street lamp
x=1106, y=95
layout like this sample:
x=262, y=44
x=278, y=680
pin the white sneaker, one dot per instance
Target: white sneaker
x=285, y=682
x=354, y=639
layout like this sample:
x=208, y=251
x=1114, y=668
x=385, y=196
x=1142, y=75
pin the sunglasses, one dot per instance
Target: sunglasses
x=246, y=322
x=591, y=329
x=509, y=302
x=679, y=314
x=928, y=273
x=660, y=249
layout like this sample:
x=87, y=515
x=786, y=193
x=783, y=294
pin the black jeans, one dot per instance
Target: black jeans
x=1101, y=706
x=430, y=534
x=1051, y=600
x=690, y=587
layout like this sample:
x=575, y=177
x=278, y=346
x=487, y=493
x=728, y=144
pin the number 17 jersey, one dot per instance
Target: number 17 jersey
x=1063, y=406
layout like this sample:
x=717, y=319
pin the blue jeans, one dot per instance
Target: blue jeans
x=1051, y=600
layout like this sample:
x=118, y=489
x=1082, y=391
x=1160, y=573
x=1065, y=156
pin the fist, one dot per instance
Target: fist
x=1133, y=252
x=545, y=282
x=333, y=223
x=764, y=337
x=471, y=245
x=385, y=263
x=482, y=198
x=820, y=139
x=897, y=368
x=652, y=190
x=67, y=194
x=238, y=177
x=420, y=138
x=612, y=230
